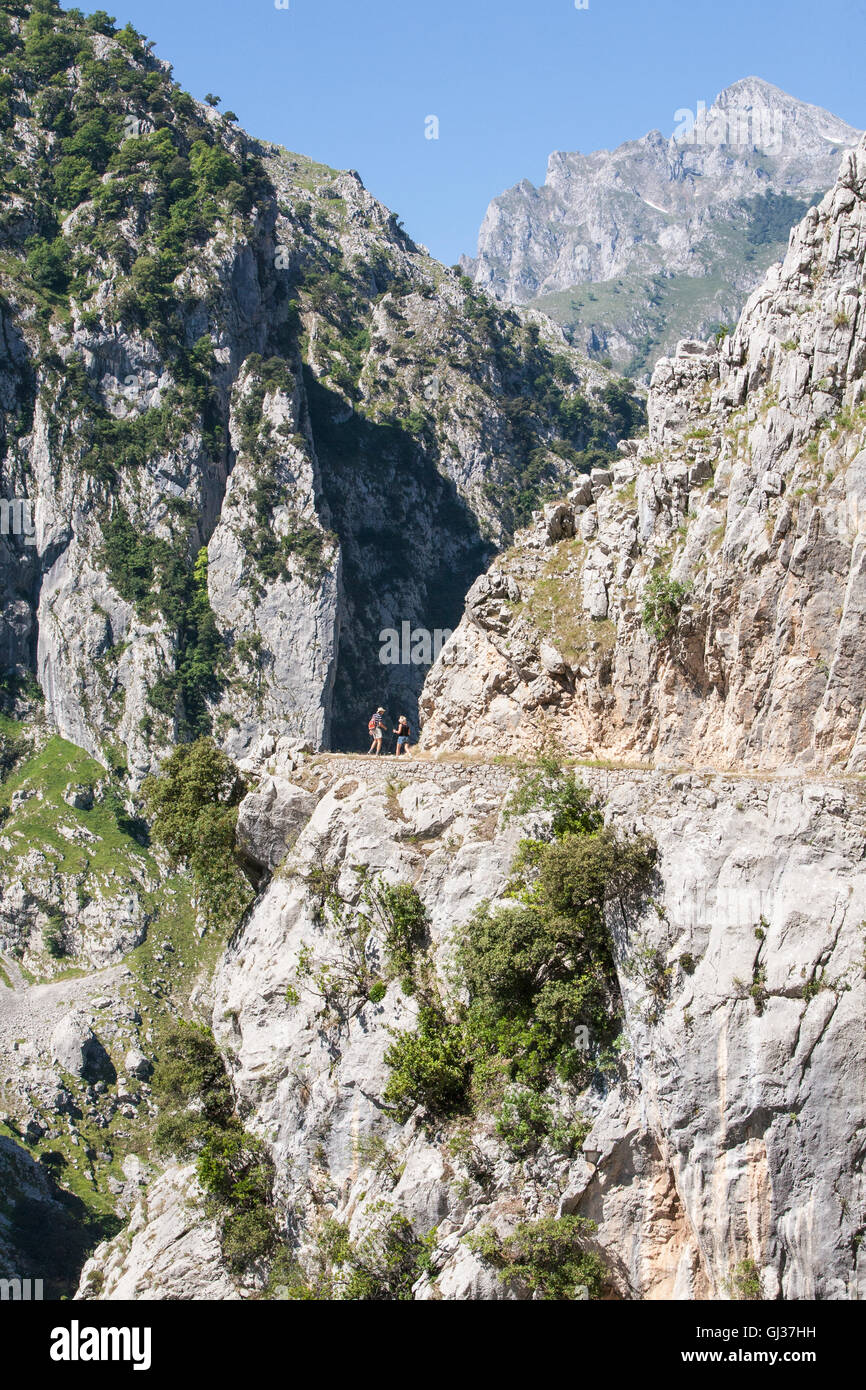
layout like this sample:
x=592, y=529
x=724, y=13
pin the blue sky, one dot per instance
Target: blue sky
x=351, y=82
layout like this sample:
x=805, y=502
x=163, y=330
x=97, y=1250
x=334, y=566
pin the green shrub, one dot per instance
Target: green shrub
x=546, y=787
x=193, y=806
x=663, y=600
x=195, y=779
x=567, y=1136
x=47, y=264
x=248, y=1235
x=393, y=912
x=344, y=980
x=100, y=22
x=231, y=1166
x=745, y=1282
x=429, y=1068
x=55, y=938
x=197, y=1119
x=548, y=1257
x=381, y=1267
x=404, y=919
x=532, y=973
x=192, y=1089
x=523, y=1121
x=46, y=52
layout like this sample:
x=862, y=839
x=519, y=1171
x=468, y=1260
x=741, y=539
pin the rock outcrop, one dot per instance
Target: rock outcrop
x=170, y=1250
x=701, y=601
x=727, y=1134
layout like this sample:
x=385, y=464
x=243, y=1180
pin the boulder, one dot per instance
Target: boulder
x=79, y=796
x=558, y=522
x=581, y=493
x=551, y=660
x=138, y=1065
x=270, y=820
x=76, y=1048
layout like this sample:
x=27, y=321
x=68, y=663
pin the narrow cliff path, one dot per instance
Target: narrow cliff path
x=389, y=768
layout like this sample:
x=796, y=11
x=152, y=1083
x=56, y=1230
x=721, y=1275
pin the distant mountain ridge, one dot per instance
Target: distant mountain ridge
x=663, y=237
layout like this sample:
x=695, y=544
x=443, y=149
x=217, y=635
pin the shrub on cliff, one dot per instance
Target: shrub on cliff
x=663, y=599
x=430, y=1067
x=548, y=1257
x=198, y=1120
x=392, y=914
x=193, y=806
x=537, y=979
x=538, y=971
x=382, y=1266
x=192, y=1089
x=549, y=789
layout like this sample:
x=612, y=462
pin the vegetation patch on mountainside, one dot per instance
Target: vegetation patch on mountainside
x=533, y=974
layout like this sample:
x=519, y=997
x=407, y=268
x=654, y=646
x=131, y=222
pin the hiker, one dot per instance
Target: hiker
x=376, y=728
x=404, y=733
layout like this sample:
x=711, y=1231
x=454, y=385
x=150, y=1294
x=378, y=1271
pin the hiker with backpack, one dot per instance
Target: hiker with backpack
x=404, y=733
x=376, y=728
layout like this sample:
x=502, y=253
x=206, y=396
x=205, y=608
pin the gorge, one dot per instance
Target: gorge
x=569, y=1003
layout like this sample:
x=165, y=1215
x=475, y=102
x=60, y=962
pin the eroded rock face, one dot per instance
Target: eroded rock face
x=750, y=494
x=321, y=447
x=293, y=613
x=730, y=1130
x=170, y=1250
x=732, y=1142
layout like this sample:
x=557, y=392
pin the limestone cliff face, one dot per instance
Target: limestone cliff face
x=211, y=345
x=170, y=1250
x=700, y=601
x=729, y=1131
x=250, y=444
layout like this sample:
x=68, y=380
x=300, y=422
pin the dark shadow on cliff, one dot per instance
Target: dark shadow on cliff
x=411, y=549
x=51, y=1232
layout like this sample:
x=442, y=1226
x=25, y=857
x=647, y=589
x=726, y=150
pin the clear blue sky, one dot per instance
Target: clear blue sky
x=350, y=82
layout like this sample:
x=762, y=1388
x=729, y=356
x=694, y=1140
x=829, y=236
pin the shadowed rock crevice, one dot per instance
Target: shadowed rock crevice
x=411, y=547
x=46, y=1232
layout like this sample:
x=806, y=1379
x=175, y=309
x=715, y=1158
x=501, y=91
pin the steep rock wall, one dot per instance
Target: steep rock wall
x=700, y=601
x=732, y=1129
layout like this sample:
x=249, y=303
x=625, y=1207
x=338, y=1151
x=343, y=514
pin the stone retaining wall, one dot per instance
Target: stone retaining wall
x=844, y=796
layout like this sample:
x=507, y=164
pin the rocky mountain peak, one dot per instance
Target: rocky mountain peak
x=805, y=125
x=664, y=237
